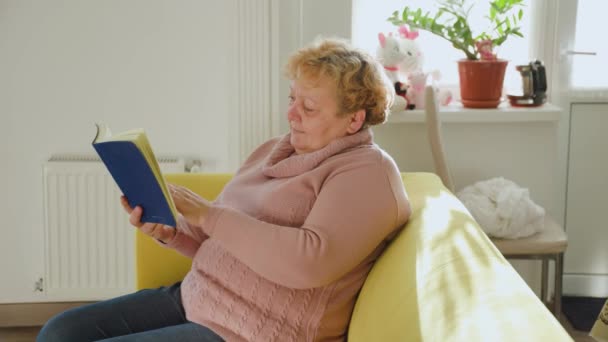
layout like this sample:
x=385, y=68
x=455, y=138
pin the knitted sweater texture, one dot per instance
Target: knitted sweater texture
x=286, y=247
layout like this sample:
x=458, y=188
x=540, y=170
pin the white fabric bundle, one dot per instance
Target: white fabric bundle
x=502, y=208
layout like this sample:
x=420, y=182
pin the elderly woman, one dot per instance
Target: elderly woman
x=284, y=250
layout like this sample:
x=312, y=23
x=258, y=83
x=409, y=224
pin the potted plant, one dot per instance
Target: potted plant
x=481, y=73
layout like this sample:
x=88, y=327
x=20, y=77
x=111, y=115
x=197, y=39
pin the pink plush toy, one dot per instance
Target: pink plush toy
x=413, y=58
x=390, y=53
x=417, y=82
x=411, y=67
x=402, y=60
x=485, y=48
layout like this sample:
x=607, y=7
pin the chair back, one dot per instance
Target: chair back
x=433, y=127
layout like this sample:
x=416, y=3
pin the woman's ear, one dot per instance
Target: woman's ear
x=357, y=119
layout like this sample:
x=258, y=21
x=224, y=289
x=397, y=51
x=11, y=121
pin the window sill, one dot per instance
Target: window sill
x=456, y=113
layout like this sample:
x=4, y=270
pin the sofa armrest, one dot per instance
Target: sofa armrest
x=441, y=279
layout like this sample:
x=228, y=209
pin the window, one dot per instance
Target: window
x=369, y=18
x=590, y=38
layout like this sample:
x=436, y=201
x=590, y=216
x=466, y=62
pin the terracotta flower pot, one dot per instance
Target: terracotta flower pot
x=481, y=82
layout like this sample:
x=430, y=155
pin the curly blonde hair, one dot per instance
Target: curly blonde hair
x=359, y=80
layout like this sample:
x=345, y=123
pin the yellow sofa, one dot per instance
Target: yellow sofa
x=441, y=279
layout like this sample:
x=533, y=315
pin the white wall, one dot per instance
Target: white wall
x=162, y=65
x=168, y=67
x=301, y=21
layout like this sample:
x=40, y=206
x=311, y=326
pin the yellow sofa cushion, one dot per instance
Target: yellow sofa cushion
x=158, y=266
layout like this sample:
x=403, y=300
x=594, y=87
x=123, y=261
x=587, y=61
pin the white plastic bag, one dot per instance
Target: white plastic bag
x=502, y=208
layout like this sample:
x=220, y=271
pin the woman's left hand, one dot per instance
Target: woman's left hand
x=193, y=207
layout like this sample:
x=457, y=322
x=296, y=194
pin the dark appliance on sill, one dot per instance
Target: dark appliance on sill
x=534, y=85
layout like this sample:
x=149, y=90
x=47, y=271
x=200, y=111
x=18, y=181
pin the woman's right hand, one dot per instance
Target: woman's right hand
x=160, y=232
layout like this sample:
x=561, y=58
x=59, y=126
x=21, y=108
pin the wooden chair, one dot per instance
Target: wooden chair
x=549, y=244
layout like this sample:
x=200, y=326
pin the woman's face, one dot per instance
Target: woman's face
x=313, y=115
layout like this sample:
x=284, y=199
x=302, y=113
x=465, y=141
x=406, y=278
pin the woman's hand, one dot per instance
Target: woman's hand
x=193, y=207
x=160, y=232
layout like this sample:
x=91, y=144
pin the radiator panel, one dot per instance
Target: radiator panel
x=89, y=243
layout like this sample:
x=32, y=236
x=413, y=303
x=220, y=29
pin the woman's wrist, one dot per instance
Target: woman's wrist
x=168, y=241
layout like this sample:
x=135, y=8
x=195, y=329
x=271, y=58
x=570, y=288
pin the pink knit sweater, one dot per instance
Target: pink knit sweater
x=286, y=247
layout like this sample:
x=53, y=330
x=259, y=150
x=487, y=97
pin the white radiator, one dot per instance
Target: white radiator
x=89, y=243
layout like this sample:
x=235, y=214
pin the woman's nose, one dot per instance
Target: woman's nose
x=292, y=113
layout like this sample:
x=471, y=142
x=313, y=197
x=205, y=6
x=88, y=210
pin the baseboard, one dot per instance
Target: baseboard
x=32, y=314
x=586, y=285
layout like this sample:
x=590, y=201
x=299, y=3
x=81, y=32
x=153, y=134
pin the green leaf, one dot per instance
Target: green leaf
x=492, y=13
x=405, y=13
x=393, y=18
x=520, y=14
x=439, y=14
x=517, y=33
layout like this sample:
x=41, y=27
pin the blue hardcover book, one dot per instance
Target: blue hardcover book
x=129, y=158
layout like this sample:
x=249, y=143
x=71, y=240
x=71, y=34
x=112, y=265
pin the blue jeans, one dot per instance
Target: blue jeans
x=146, y=315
